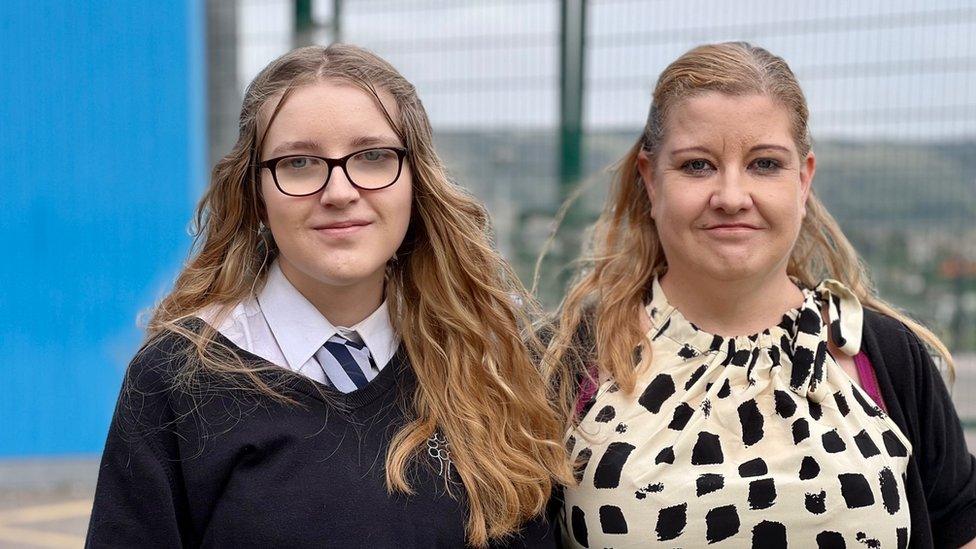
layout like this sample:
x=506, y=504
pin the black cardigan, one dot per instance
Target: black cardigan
x=941, y=476
x=232, y=469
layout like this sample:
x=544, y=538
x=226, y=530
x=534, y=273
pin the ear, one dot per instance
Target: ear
x=807, y=171
x=645, y=167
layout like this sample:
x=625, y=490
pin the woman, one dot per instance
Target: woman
x=750, y=414
x=341, y=362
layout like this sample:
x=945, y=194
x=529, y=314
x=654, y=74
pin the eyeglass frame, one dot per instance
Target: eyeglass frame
x=272, y=163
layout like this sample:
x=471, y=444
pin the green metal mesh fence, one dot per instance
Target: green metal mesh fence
x=891, y=86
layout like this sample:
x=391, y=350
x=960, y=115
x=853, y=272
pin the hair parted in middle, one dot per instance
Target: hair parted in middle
x=460, y=310
x=624, y=253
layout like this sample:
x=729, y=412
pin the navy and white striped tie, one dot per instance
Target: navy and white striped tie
x=347, y=364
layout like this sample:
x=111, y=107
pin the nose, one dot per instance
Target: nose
x=731, y=196
x=339, y=192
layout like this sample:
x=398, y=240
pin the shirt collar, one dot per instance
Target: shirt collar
x=300, y=329
x=377, y=333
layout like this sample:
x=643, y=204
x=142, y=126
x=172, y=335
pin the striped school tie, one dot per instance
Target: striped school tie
x=347, y=364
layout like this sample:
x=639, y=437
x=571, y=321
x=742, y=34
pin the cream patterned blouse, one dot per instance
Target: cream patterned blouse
x=752, y=441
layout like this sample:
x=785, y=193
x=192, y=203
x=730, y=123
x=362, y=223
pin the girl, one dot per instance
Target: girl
x=341, y=363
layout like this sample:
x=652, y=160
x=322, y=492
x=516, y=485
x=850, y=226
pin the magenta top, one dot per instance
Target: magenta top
x=868, y=379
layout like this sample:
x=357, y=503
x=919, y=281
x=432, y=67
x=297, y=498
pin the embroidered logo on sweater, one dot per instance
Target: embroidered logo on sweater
x=439, y=449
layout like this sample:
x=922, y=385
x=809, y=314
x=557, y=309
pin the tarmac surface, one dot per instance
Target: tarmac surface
x=46, y=502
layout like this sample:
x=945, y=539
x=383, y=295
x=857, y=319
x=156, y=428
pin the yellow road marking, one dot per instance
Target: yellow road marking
x=45, y=513
x=23, y=536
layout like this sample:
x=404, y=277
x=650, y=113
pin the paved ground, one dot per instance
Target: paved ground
x=46, y=503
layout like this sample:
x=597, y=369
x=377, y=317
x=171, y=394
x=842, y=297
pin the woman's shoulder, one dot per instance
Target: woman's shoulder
x=894, y=343
x=901, y=359
x=887, y=329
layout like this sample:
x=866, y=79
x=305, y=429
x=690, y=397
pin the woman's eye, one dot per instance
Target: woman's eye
x=697, y=165
x=766, y=164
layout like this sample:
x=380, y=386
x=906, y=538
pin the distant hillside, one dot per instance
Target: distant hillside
x=905, y=206
x=876, y=183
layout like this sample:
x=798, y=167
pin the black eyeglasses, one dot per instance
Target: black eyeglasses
x=368, y=169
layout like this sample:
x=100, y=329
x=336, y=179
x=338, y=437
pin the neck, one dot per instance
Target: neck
x=342, y=305
x=731, y=307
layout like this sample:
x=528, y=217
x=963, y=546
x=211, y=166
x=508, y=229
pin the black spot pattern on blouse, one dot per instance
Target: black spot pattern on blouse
x=606, y=414
x=708, y=450
x=753, y=468
x=607, y=473
x=809, y=468
x=769, y=535
x=762, y=493
x=866, y=445
x=816, y=503
x=612, y=520
x=721, y=523
x=856, y=490
x=830, y=540
x=708, y=483
x=785, y=405
x=656, y=393
x=681, y=416
x=671, y=522
x=761, y=424
x=752, y=422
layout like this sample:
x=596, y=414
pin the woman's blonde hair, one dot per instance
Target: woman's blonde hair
x=457, y=305
x=625, y=252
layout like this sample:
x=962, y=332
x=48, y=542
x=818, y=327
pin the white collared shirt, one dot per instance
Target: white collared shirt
x=281, y=326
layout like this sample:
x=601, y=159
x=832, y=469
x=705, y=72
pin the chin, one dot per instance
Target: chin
x=732, y=271
x=348, y=277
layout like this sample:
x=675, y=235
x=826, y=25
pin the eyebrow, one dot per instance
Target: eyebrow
x=691, y=149
x=766, y=146
x=371, y=140
x=305, y=145
x=760, y=147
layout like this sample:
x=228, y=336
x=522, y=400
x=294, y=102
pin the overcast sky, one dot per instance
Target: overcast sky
x=871, y=69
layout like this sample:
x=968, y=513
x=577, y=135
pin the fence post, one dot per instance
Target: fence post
x=572, y=33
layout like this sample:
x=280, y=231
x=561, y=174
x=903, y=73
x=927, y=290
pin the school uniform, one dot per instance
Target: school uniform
x=220, y=466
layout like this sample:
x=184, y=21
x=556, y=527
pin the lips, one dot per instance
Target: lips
x=337, y=225
x=729, y=226
x=339, y=229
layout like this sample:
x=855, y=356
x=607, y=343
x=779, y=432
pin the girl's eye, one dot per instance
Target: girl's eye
x=376, y=155
x=297, y=163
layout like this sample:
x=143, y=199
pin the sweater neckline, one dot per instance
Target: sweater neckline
x=397, y=371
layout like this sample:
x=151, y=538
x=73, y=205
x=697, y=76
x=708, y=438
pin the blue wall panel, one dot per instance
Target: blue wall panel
x=101, y=141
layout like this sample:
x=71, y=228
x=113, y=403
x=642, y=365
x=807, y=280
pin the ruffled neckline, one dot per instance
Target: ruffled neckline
x=667, y=320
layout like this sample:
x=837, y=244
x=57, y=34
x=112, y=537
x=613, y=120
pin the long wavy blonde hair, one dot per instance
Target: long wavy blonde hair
x=625, y=252
x=458, y=306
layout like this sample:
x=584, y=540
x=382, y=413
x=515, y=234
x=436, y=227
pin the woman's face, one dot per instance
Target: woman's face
x=341, y=236
x=727, y=187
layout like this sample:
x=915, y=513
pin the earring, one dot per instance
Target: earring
x=261, y=227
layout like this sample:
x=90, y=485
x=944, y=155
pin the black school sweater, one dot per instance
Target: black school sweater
x=228, y=469
x=941, y=476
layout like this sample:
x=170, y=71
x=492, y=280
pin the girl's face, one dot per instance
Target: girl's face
x=340, y=237
x=728, y=187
